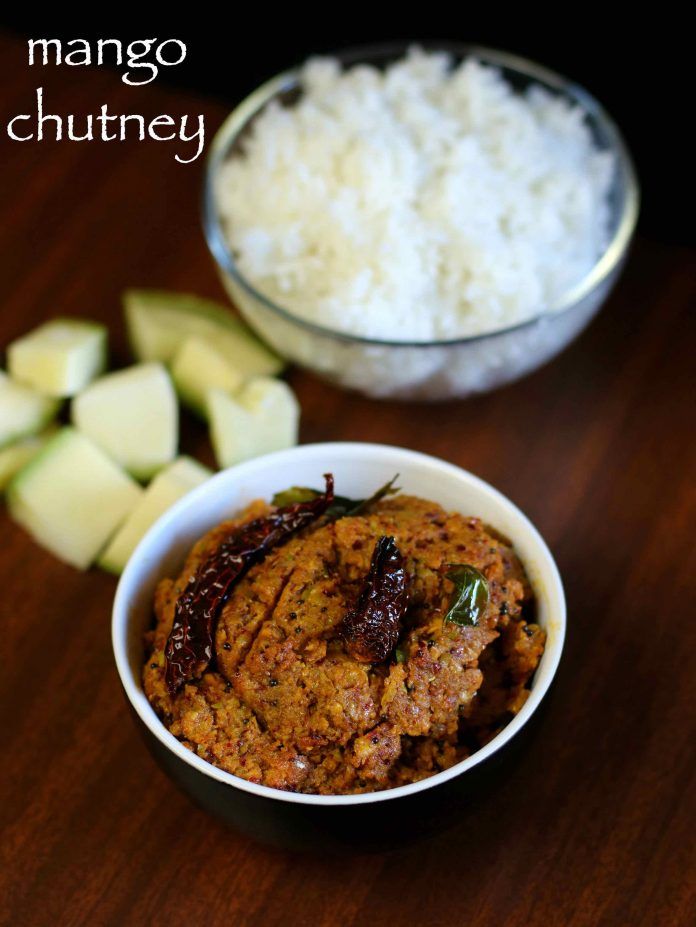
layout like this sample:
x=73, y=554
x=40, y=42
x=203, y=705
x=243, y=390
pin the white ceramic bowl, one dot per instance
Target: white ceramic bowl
x=358, y=469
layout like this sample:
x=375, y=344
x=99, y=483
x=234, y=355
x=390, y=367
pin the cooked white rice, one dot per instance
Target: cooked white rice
x=419, y=203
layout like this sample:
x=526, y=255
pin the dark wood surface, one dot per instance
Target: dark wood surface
x=594, y=826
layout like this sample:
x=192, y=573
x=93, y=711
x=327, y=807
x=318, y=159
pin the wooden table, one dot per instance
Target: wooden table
x=596, y=824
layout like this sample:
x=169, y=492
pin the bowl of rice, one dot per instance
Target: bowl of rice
x=419, y=223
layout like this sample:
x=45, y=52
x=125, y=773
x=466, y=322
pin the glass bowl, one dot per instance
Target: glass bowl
x=428, y=369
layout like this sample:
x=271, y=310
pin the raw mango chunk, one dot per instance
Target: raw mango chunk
x=60, y=357
x=72, y=497
x=159, y=322
x=197, y=367
x=263, y=417
x=17, y=455
x=166, y=488
x=133, y=415
x=23, y=411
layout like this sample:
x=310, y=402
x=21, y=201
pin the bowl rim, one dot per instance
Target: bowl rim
x=552, y=591
x=603, y=267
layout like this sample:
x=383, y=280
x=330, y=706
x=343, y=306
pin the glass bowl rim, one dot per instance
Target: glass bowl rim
x=252, y=104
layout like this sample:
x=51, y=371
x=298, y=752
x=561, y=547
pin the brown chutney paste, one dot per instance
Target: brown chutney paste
x=284, y=702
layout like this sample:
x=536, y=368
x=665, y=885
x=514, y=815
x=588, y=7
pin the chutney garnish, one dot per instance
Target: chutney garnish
x=341, y=506
x=189, y=647
x=293, y=495
x=371, y=629
x=471, y=595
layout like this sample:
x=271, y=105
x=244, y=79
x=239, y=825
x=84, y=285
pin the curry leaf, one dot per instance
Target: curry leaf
x=470, y=598
x=342, y=506
x=293, y=495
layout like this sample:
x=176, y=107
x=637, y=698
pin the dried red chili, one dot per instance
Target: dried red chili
x=189, y=647
x=371, y=629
